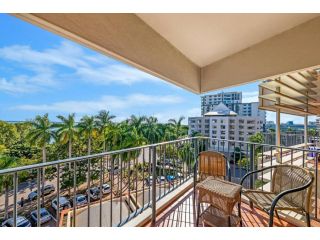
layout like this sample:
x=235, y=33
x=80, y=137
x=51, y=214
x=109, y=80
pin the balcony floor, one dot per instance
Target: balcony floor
x=181, y=214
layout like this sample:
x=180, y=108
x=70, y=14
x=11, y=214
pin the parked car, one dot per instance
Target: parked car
x=81, y=200
x=21, y=222
x=161, y=179
x=63, y=203
x=115, y=170
x=148, y=181
x=106, y=188
x=46, y=191
x=179, y=175
x=45, y=216
x=93, y=193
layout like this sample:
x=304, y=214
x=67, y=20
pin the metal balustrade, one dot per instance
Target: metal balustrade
x=136, y=178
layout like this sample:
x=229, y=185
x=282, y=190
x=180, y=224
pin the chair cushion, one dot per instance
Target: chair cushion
x=263, y=200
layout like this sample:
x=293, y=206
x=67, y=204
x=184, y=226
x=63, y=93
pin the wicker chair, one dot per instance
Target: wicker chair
x=213, y=164
x=291, y=188
x=213, y=169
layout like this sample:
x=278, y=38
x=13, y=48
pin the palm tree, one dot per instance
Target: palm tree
x=177, y=127
x=41, y=133
x=152, y=132
x=87, y=126
x=66, y=131
x=103, y=122
x=137, y=122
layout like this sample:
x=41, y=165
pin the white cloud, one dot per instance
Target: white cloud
x=250, y=96
x=40, y=68
x=114, y=73
x=112, y=103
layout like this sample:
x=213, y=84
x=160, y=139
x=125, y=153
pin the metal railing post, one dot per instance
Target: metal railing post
x=251, y=155
x=154, y=181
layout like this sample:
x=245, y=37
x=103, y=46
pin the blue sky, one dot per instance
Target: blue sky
x=42, y=72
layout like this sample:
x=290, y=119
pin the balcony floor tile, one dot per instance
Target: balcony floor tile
x=181, y=214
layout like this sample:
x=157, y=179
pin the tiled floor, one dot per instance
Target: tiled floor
x=181, y=214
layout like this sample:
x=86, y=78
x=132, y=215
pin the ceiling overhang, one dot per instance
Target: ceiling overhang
x=169, y=46
x=296, y=93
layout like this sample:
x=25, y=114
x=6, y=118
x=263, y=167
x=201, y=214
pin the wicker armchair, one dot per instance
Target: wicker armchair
x=213, y=169
x=213, y=164
x=291, y=188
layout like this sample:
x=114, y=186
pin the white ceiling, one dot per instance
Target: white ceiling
x=206, y=38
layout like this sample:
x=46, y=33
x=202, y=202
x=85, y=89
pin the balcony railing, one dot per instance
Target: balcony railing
x=128, y=182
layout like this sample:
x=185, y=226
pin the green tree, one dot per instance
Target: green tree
x=8, y=134
x=257, y=138
x=41, y=133
x=103, y=122
x=177, y=127
x=6, y=180
x=88, y=128
x=66, y=131
x=152, y=132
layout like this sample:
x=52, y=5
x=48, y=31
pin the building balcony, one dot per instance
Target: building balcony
x=144, y=186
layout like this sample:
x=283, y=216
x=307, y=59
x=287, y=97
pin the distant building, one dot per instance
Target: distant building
x=290, y=126
x=224, y=123
x=230, y=99
x=233, y=100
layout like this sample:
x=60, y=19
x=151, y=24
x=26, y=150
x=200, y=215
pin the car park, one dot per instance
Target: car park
x=93, y=193
x=63, y=203
x=45, y=216
x=148, y=181
x=106, y=188
x=21, y=222
x=81, y=200
x=170, y=178
x=45, y=191
x=179, y=175
x=161, y=179
x=115, y=170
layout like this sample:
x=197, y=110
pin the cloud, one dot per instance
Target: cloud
x=43, y=68
x=109, y=102
x=250, y=96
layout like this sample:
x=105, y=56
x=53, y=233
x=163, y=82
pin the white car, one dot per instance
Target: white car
x=21, y=222
x=161, y=179
x=63, y=203
x=148, y=181
x=106, y=188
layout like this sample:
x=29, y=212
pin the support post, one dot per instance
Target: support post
x=306, y=131
x=154, y=181
x=278, y=135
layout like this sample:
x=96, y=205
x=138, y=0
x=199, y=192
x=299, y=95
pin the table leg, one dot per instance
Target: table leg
x=239, y=212
x=198, y=213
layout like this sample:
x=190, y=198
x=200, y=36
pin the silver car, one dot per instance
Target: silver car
x=94, y=193
x=106, y=188
x=21, y=222
x=81, y=200
x=45, y=191
x=63, y=203
x=45, y=216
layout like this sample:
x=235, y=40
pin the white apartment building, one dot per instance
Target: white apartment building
x=208, y=102
x=223, y=123
x=233, y=100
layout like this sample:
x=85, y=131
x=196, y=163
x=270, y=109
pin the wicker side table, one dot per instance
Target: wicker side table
x=219, y=194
